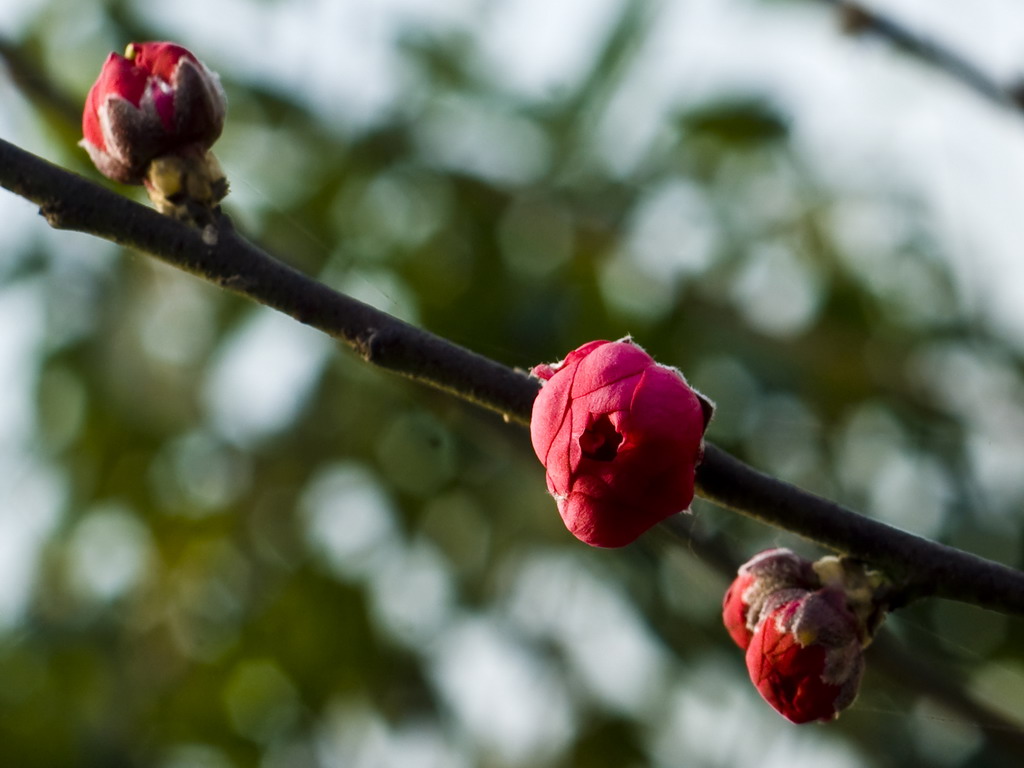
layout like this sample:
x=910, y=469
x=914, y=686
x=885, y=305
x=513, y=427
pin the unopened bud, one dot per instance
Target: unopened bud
x=151, y=118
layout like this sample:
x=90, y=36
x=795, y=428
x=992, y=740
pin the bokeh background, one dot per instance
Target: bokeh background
x=225, y=541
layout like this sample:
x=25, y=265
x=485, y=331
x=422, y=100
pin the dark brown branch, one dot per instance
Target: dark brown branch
x=916, y=563
x=221, y=256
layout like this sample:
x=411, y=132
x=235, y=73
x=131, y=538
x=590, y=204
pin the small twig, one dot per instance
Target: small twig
x=221, y=256
x=857, y=18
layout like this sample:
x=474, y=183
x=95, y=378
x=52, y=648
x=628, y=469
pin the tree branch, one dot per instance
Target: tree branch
x=915, y=563
x=857, y=18
x=219, y=255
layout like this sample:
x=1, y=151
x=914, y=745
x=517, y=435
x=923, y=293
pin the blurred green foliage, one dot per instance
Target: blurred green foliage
x=266, y=553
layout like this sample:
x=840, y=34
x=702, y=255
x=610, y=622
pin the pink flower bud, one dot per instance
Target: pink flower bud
x=805, y=657
x=764, y=582
x=157, y=100
x=620, y=436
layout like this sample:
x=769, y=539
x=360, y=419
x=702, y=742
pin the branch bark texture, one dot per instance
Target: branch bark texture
x=220, y=255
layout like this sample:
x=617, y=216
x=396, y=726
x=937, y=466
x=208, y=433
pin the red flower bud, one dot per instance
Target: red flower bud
x=157, y=100
x=805, y=657
x=620, y=436
x=762, y=584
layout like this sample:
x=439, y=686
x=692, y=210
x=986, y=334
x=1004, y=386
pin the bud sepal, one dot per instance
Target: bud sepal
x=150, y=118
x=804, y=627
